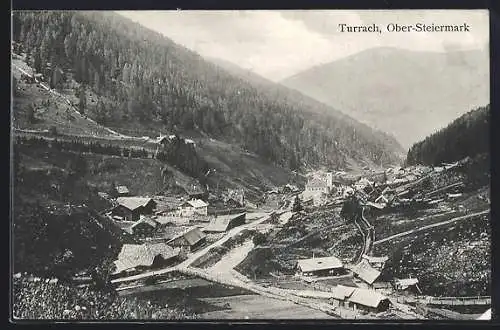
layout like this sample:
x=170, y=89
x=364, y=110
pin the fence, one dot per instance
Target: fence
x=455, y=301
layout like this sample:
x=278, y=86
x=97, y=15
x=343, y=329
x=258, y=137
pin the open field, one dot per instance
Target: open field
x=258, y=307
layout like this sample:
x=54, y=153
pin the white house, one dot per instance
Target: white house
x=320, y=184
x=194, y=206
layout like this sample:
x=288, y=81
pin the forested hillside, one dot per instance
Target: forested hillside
x=468, y=135
x=145, y=81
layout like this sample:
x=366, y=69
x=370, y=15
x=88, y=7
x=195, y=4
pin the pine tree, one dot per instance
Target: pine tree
x=82, y=105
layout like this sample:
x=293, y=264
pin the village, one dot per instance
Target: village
x=199, y=235
x=215, y=239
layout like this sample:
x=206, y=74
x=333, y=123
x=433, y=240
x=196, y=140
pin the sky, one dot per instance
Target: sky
x=279, y=44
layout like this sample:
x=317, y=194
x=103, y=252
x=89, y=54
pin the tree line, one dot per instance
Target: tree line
x=142, y=77
x=466, y=136
x=176, y=153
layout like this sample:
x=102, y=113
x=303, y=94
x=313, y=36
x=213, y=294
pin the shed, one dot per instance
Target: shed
x=369, y=300
x=366, y=272
x=131, y=208
x=145, y=226
x=407, y=284
x=340, y=294
x=376, y=262
x=190, y=240
x=320, y=266
x=225, y=222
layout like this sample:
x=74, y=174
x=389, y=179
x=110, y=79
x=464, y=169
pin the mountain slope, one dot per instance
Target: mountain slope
x=466, y=136
x=146, y=83
x=405, y=93
x=294, y=95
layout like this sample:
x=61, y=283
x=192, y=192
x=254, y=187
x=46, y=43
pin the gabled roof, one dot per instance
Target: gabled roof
x=192, y=236
x=220, y=223
x=133, y=255
x=196, y=203
x=133, y=203
x=370, y=298
x=315, y=264
x=342, y=292
x=145, y=220
x=366, y=272
x=406, y=282
x=375, y=259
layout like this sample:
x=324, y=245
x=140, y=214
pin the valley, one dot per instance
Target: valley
x=151, y=183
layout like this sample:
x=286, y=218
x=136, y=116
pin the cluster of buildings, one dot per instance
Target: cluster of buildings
x=366, y=297
x=161, y=229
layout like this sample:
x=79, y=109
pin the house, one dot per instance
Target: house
x=376, y=262
x=145, y=226
x=189, y=240
x=409, y=285
x=340, y=294
x=368, y=300
x=134, y=257
x=225, y=222
x=366, y=272
x=326, y=266
x=130, y=208
x=194, y=206
x=122, y=191
x=316, y=185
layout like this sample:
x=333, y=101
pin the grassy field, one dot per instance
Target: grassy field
x=258, y=307
x=236, y=168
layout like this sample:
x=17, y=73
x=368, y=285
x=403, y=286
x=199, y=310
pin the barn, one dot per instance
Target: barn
x=368, y=300
x=225, y=222
x=134, y=258
x=143, y=227
x=190, y=240
x=366, y=272
x=130, y=208
x=326, y=266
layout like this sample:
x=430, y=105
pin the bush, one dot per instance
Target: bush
x=259, y=239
